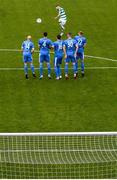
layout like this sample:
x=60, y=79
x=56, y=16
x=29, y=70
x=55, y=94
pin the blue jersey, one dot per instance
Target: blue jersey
x=70, y=45
x=81, y=43
x=58, y=48
x=45, y=45
x=27, y=46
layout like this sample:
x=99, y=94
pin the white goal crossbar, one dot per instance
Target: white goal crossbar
x=61, y=134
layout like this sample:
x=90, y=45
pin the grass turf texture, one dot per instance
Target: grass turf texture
x=87, y=104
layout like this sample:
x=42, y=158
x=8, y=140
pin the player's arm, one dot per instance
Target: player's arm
x=50, y=44
x=76, y=50
x=85, y=43
x=22, y=47
x=32, y=50
x=57, y=16
x=53, y=45
x=64, y=50
x=39, y=44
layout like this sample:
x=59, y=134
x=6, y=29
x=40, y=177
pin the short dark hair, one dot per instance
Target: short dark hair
x=45, y=34
x=59, y=36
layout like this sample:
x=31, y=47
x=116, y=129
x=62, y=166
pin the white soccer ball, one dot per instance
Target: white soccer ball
x=39, y=20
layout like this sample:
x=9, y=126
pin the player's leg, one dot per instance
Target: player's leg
x=62, y=24
x=32, y=66
x=48, y=66
x=74, y=66
x=26, y=70
x=77, y=66
x=82, y=64
x=77, y=58
x=41, y=60
x=32, y=69
x=59, y=68
x=25, y=60
x=60, y=72
x=56, y=67
x=66, y=67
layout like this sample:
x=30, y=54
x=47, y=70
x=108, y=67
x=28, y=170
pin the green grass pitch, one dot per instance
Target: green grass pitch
x=87, y=104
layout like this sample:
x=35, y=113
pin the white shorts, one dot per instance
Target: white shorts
x=62, y=21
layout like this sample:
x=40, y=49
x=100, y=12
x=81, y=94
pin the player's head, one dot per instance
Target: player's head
x=80, y=33
x=57, y=7
x=59, y=37
x=69, y=35
x=29, y=37
x=45, y=34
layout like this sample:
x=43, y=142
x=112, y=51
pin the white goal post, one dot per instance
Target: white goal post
x=58, y=155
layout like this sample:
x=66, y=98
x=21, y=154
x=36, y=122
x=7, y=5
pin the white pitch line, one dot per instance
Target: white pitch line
x=88, y=56
x=88, y=68
x=101, y=58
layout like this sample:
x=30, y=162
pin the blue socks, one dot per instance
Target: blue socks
x=26, y=69
x=76, y=66
x=41, y=69
x=66, y=69
x=57, y=71
x=49, y=69
x=32, y=68
x=82, y=65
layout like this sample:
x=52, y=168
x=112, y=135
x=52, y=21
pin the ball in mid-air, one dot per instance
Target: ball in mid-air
x=39, y=20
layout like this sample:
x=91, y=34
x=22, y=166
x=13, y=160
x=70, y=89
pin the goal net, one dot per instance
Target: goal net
x=58, y=155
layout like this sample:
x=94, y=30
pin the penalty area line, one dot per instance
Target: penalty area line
x=87, y=56
x=87, y=68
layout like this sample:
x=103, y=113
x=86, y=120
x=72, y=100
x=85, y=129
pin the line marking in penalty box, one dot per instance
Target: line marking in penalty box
x=88, y=68
x=88, y=56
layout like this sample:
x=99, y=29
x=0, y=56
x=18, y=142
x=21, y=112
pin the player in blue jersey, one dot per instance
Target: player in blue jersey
x=28, y=49
x=58, y=56
x=70, y=50
x=81, y=40
x=45, y=45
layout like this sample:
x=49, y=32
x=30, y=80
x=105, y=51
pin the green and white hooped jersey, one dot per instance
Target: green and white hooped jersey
x=62, y=14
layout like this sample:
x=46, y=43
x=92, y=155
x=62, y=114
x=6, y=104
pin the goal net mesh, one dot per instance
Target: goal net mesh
x=58, y=156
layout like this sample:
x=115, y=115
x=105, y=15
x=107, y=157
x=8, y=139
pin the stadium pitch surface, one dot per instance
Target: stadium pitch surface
x=87, y=104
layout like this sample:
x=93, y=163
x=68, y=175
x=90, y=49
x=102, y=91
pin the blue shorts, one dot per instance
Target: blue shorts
x=80, y=56
x=44, y=58
x=58, y=60
x=70, y=58
x=27, y=58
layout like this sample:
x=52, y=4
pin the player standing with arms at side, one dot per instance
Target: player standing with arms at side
x=81, y=40
x=70, y=50
x=58, y=50
x=45, y=45
x=62, y=18
x=28, y=50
